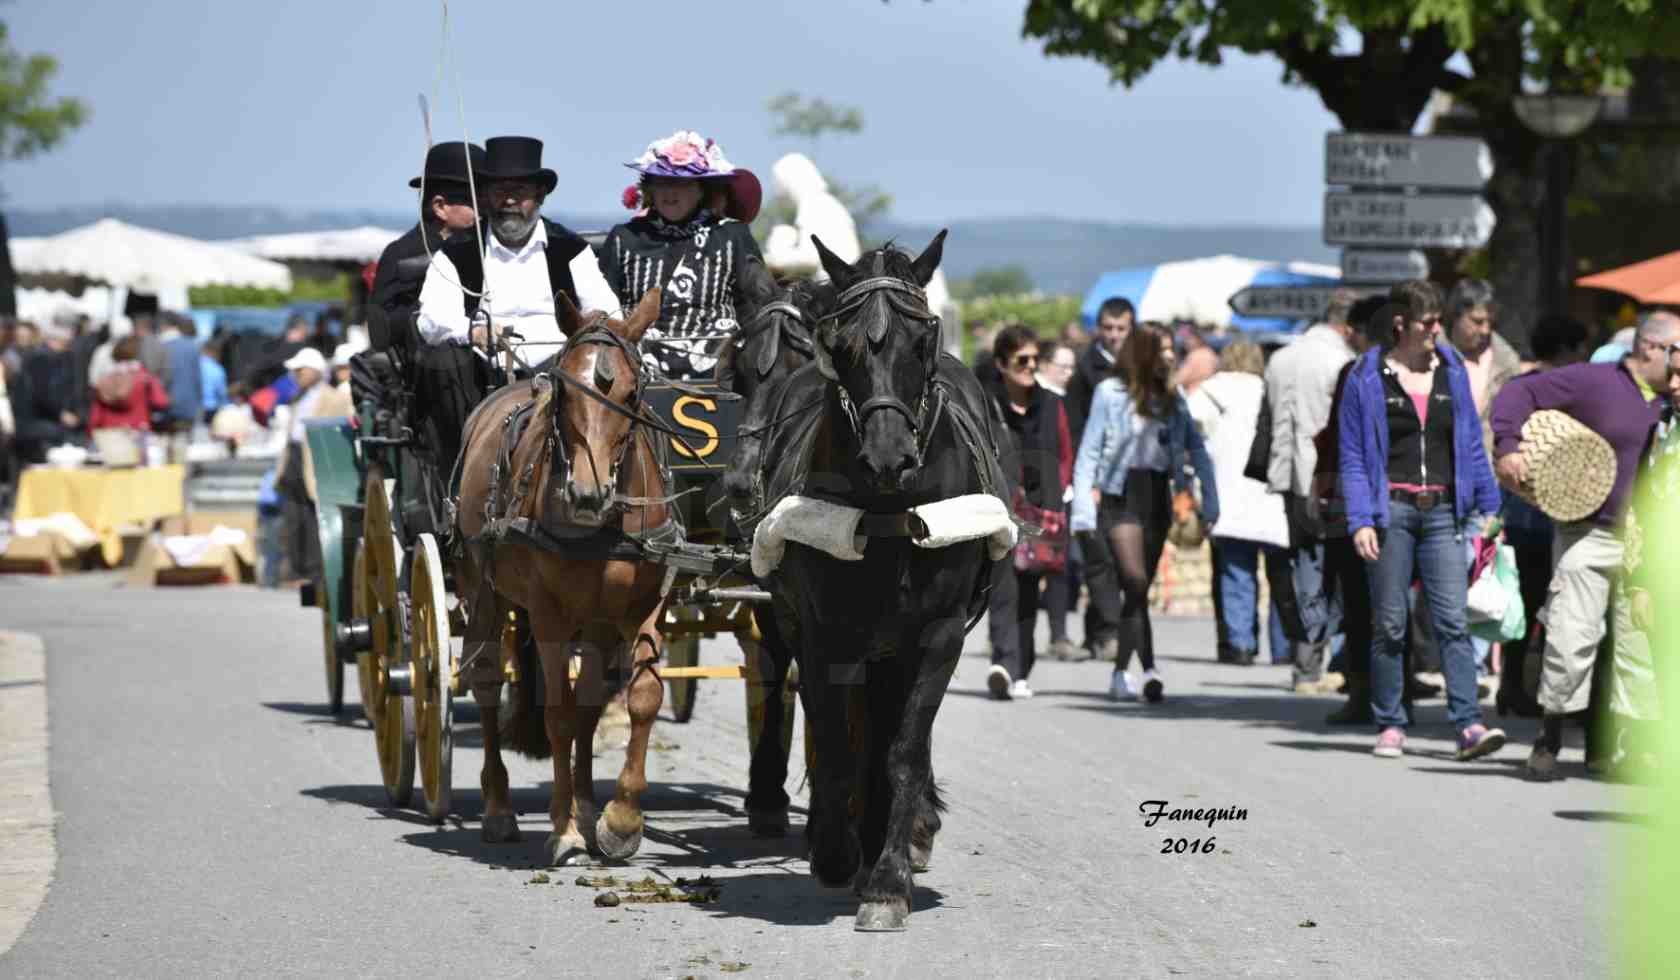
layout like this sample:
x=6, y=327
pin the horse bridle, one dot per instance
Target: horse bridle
x=597, y=332
x=910, y=302
x=782, y=319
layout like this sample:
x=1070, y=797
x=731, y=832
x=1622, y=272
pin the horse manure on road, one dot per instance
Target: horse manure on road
x=540, y=878
x=604, y=881
x=607, y=900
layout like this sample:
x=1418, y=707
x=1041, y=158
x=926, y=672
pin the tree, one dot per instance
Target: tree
x=1404, y=52
x=1005, y=280
x=794, y=115
x=30, y=121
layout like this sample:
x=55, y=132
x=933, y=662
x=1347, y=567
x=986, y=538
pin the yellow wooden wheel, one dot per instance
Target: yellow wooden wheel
x=432, y=660
x=392, y=714
x=364, y=603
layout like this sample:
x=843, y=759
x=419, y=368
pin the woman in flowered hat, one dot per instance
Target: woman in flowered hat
x=690, y=237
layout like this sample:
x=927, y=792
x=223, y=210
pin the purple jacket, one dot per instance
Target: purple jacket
x=1602, y=397
x=1363, y=444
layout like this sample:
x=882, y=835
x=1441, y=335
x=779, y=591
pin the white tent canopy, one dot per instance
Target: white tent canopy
x=117, y=254
x=360, y=245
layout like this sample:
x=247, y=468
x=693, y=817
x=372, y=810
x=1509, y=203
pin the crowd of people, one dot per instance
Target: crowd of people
x=71, y=382
x=1367, y=467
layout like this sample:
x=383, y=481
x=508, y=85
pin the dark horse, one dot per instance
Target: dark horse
x=898, y=425
x=774, y=341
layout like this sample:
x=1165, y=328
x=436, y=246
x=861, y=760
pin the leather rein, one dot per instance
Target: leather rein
x=910, y=302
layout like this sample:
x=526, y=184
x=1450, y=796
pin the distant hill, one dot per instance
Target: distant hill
x=1062, y=256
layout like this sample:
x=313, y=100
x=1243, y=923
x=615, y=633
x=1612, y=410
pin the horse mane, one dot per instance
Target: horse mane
x=888, y=260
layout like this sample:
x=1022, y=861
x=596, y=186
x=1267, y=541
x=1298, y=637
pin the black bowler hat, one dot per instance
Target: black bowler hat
x=516, y=158
x=447, y=162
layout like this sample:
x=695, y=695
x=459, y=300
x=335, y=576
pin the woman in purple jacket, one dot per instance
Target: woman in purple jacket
x=1414, y=470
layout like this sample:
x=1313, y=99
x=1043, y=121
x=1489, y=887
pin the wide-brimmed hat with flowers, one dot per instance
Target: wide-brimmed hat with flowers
x=686, y=155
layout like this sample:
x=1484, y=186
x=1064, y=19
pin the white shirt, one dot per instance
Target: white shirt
x=517, y=291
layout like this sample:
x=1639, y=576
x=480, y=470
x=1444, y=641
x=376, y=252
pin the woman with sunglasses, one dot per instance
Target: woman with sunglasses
x=1137, y=440
x=1415, y=474
x=1039, y=427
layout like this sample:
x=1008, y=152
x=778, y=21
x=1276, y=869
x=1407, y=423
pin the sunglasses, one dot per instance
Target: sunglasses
x=1024, y=360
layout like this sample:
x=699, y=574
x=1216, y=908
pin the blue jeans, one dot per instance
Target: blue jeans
x=1239, y=595
x=1431, y=543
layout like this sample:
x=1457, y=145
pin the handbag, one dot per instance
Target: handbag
x=1494, y=602
x=1045, y=553
x=1188, y=531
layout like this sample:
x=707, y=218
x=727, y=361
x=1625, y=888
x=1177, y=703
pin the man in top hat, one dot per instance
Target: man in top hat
x=445, y=208
x=526, y=261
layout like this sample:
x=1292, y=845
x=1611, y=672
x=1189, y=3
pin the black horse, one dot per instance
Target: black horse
x=897, y=425
x=774, y=341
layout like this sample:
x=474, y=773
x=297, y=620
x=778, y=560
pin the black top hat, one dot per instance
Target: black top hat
x=448, y=162
x=516, y=158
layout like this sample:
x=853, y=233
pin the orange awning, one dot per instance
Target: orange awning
x=1654, y=282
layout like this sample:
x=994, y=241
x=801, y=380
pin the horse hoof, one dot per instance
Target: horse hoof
x=768, y=823
x=500, y=828
x=617, y=847
x=921, y=856
x=565, y=852
x=892, y=915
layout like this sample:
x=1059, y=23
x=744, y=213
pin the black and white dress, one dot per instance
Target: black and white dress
x=697, y=266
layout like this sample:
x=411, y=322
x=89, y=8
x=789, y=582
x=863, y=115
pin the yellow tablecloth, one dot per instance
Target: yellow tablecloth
x=104, y=499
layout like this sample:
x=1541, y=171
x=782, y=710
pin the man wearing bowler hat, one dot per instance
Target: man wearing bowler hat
x=526, y=260
x=445, y=208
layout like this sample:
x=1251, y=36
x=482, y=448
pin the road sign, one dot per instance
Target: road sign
x=1375, y=160
x=1383, y=265
x=1406, y=220
x=1291, y=302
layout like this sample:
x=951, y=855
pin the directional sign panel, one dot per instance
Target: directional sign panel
x=1383, y=265
x=1375, y=160
x=1406, y=220
x=1290, y=302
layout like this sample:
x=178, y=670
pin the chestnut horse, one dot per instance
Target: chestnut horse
x=583, y=468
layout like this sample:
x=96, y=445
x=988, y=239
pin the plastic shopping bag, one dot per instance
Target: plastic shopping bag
x=1495, y=600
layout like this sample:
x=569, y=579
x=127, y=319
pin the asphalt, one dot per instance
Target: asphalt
x=214, y=821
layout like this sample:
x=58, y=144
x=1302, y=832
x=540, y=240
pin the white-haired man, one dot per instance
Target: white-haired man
x=1622, y=402
x=527, y=260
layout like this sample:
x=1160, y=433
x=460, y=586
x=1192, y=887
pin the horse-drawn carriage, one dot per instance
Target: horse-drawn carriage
x=391, y=608
x=864, y=444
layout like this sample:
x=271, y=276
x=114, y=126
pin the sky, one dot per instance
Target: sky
x=313, y=105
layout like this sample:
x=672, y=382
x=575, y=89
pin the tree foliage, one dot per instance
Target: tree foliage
x=335, y=289
x=31, y=122
x=1004, y=280
x=811, y=119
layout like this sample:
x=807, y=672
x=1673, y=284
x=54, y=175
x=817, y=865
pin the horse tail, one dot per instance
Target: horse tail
x=524, y=729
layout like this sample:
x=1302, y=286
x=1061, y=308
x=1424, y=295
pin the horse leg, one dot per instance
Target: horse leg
x=590, y=689
x=875, y=725
x=928, y=823
x=767, y=668
x=885, y=905
x=619, y=831
x=828, y=694
x=565, y=844
x=482, y=652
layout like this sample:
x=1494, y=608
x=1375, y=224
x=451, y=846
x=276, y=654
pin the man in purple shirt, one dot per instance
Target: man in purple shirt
x=1620, y=402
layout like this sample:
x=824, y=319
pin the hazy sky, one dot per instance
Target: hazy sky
x=312, y=104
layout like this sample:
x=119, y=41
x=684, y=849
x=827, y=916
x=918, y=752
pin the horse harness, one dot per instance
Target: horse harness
x=795, y=328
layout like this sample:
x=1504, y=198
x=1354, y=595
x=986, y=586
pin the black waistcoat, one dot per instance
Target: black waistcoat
x=563, y=246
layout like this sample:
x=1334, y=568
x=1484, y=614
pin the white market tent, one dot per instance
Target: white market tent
x=359, y=245
x=113, y=253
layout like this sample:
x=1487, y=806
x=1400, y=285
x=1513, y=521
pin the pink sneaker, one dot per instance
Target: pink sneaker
x=1391, y=743
x=1479, y=740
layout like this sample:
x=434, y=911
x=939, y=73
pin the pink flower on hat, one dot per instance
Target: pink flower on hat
x=680, y=153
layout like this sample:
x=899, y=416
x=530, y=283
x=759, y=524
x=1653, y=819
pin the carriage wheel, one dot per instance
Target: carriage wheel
x=329, y=644
x=364, y=603
x=683, y=651
x=433, y=662
x=393, y=713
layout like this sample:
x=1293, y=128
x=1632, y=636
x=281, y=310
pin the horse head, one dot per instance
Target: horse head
x=596, y=381
x=879, y=348
x=774, y=341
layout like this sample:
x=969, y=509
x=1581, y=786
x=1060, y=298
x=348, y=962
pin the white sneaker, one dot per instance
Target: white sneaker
x=1120, y=687
x=997, y=682
x=1020, y=690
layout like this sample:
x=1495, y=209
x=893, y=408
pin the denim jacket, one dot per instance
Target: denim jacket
x=1107, y=450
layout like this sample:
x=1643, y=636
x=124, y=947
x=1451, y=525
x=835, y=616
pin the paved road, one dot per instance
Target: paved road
x=214, y=821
